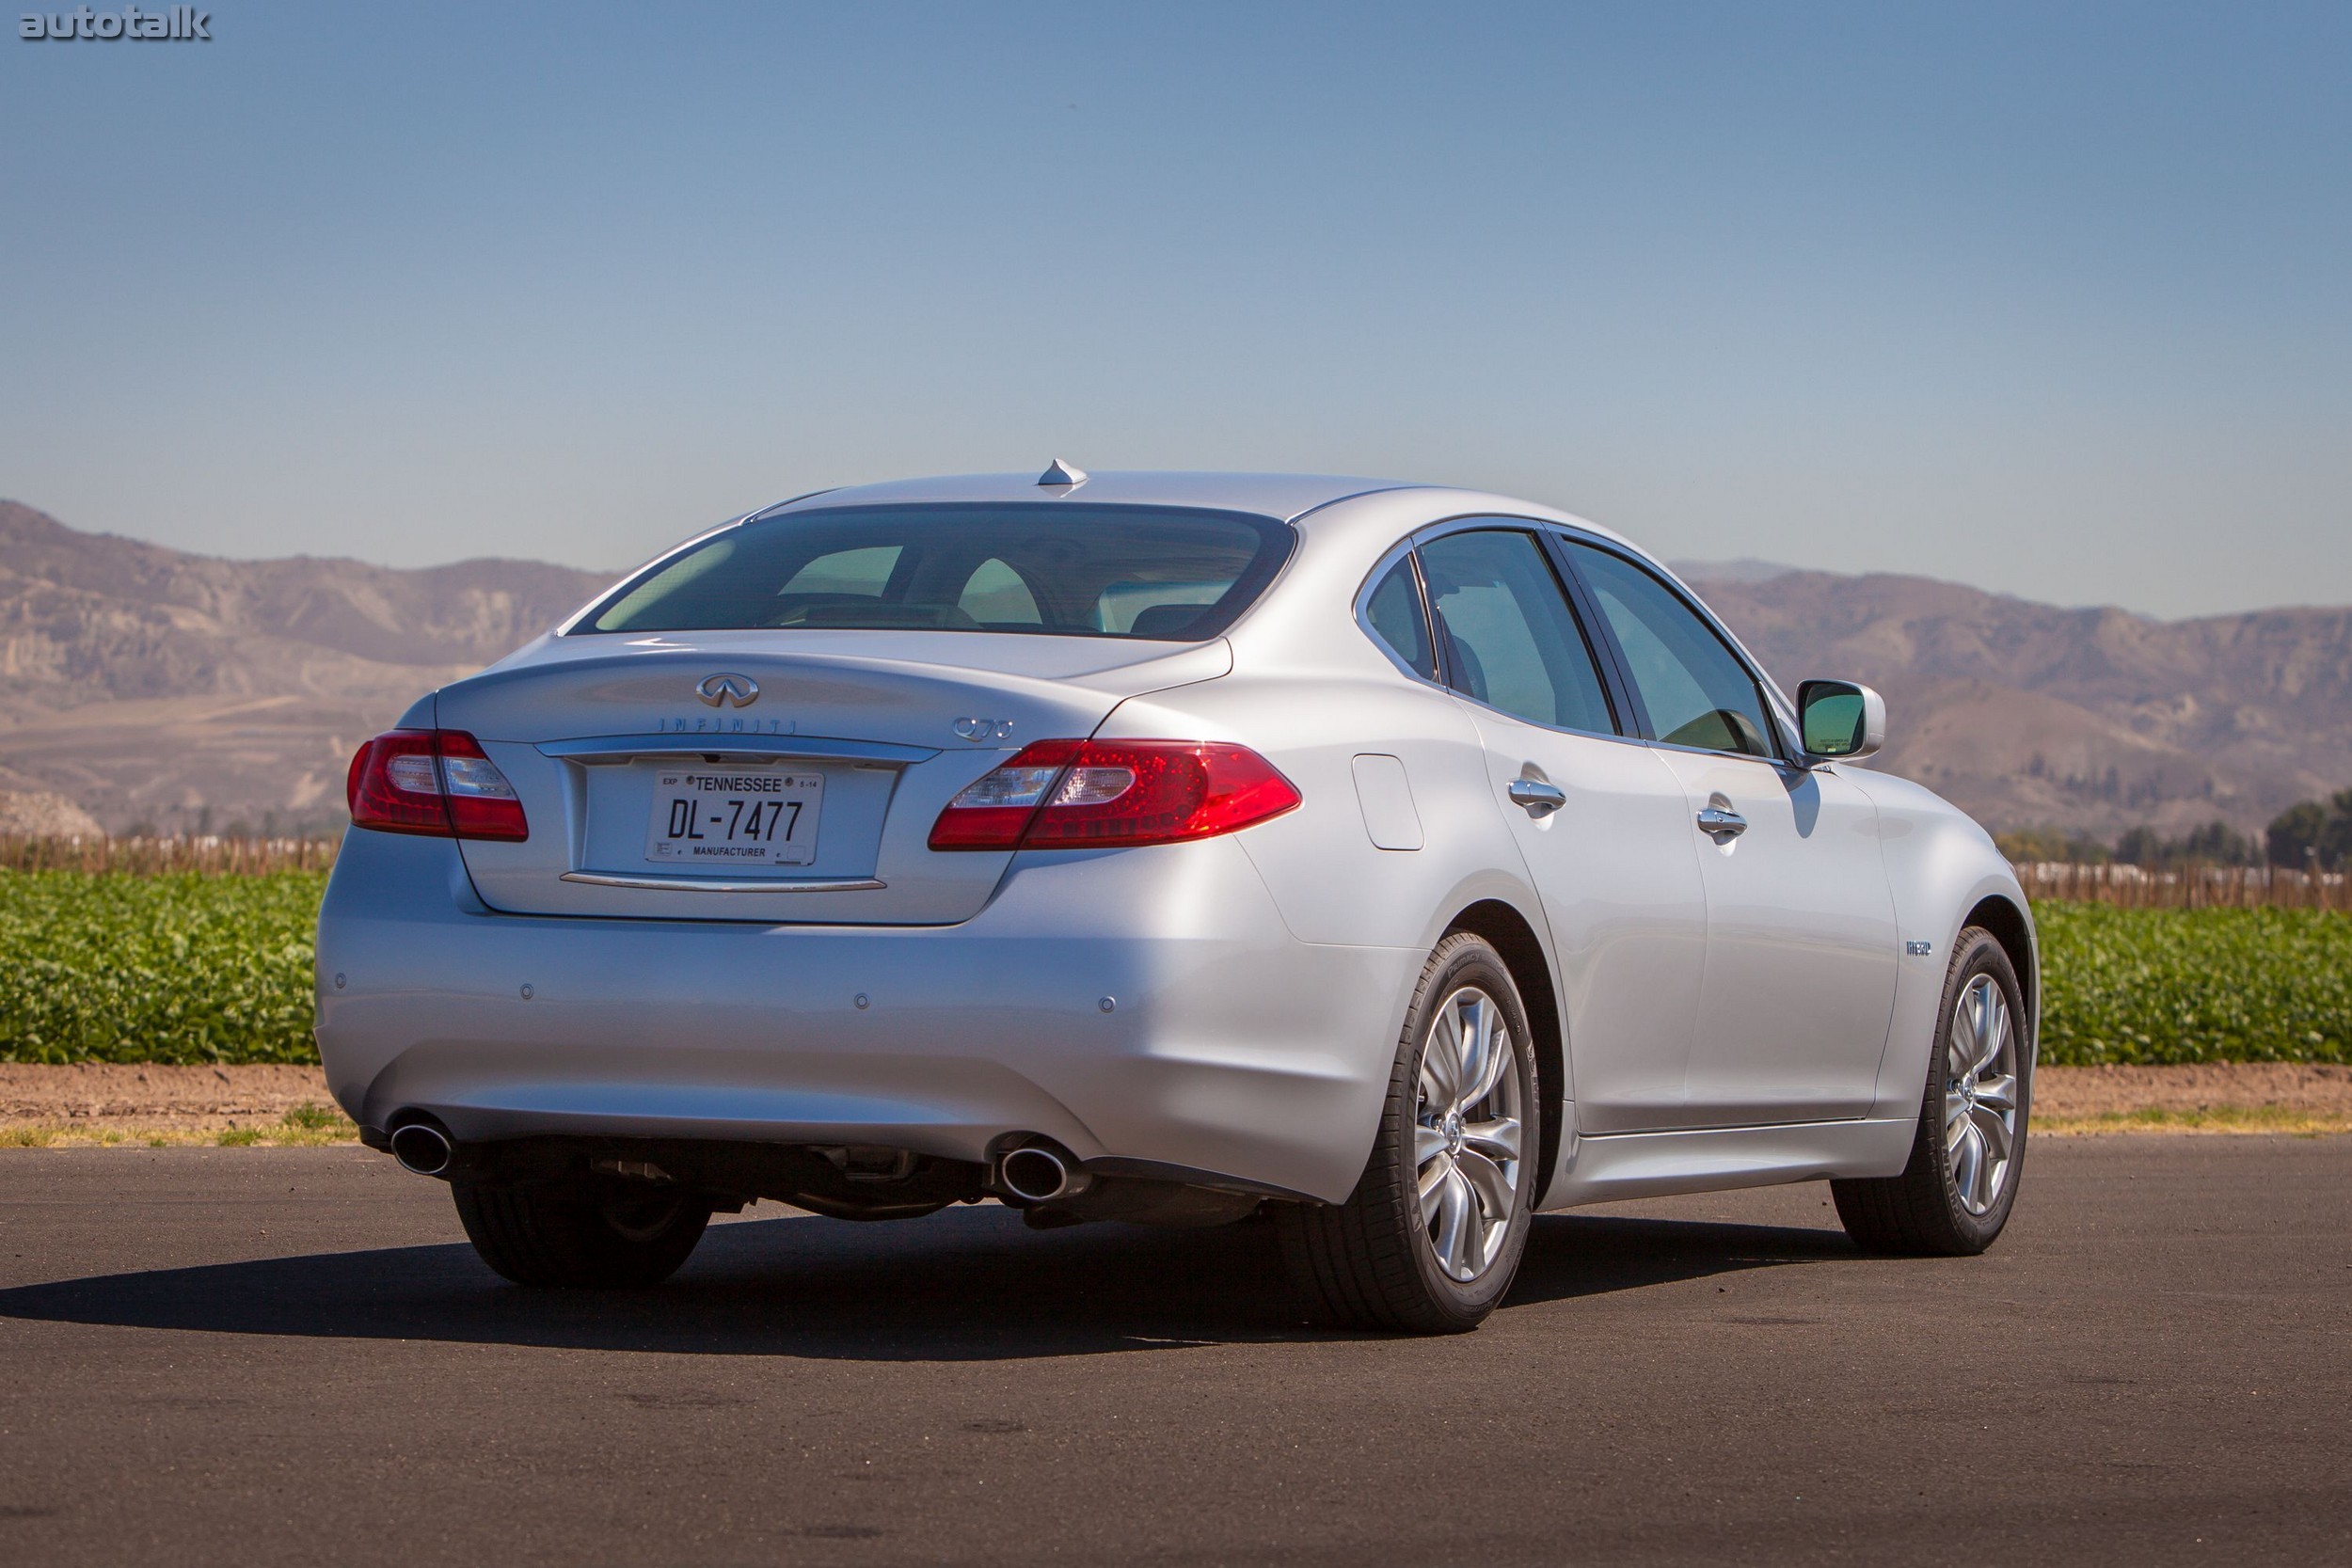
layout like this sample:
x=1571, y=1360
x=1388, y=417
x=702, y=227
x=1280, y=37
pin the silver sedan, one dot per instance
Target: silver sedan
x=1389, y=862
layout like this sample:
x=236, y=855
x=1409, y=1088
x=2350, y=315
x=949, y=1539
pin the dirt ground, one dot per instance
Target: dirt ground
x=2066, y=1093
x=157, y=1095
x=146, y=1103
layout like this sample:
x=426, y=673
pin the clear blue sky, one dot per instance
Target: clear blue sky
x=2053, y=299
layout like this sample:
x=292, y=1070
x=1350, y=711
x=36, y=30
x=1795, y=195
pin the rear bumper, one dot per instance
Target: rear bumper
x=1227, y=1047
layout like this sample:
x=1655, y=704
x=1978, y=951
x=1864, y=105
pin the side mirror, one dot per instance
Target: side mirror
x=1838, y=719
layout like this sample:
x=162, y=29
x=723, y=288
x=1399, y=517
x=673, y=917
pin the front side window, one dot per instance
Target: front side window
x=1510, y=638
x=1697, y=691
x=1105, y=571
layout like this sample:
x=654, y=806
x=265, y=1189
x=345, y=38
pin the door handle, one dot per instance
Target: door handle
x=1717, y=823
x=1539, y=799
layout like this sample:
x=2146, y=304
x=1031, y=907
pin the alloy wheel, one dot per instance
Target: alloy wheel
x=1468, y=1132
x=1979, y=1095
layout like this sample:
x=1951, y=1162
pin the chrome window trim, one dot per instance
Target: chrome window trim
x=1405, y=548
x=1401, y=550
x=1776, y=700
x=1779, y=763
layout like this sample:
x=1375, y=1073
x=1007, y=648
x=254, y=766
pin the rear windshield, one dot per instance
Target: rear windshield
x=1062, y=570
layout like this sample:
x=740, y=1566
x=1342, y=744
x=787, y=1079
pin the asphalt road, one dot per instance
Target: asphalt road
x=291, y=1356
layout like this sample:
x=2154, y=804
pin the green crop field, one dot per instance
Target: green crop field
x=2216, y=985
x=109, y=966
x=112, y=966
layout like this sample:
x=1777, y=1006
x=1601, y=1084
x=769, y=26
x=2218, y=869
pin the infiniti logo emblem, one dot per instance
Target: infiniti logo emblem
x=726, y=690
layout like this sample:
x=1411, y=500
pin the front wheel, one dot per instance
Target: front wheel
x=1969, y=1151
x=1431, y=1237
x=588, y=1231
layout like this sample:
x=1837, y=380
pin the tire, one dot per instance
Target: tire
x=1952, y=1200
x=581, y=1231
x=1380, y=1260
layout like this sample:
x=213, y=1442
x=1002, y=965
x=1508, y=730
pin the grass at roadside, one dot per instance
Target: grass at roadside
x=2208, y=1119
x=304, y=1127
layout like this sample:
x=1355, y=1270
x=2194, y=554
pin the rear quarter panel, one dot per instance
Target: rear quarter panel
x=1331, y=882
x=1310, y=692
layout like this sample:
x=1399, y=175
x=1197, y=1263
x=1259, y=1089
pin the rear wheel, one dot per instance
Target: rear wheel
x=1966, y=1157
x=1431, y=1237
x=581, y=1231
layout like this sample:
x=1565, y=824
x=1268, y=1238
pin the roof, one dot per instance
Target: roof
x=1279, y=496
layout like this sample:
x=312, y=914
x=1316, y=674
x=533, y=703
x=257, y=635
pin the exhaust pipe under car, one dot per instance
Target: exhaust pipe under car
x=1038, y=1175
x=423, y=1148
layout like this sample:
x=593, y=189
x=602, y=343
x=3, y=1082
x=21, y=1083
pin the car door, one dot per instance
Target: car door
x=1801, y=947
x=1598, y=817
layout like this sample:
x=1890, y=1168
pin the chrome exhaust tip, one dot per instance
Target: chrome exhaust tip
x=423, y=1148
x=1035, y=1175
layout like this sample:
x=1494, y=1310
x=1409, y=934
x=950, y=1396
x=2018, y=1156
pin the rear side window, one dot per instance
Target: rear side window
x=1510, y=638
x=1395, y=611
x=1107, y=571
x=1696, y=690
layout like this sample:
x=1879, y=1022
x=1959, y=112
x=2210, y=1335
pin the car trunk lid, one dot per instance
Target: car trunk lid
x=860, y=737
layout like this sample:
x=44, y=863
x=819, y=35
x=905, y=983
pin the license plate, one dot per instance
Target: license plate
x=734, y=817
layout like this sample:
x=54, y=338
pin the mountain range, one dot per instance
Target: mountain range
x=163, y=689
x=182, y=692
x=2095, y=719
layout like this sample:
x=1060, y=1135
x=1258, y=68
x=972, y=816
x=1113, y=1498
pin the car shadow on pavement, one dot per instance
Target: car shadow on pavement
x=969, y=1284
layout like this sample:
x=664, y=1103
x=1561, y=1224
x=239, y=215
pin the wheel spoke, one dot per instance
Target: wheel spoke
x=1955, y=1116
x=1488, y=1056
x=1431, y=1184
x=1960, y=1046
x=1993, y=1035
x=1980, y=1169
x=1475, y=1022
x=1994, y=1128
x=1498, y=1139
x=1441, y=1062
x=1428, y=1144
x=1999, y=1093
x=1487, y=1181
x=1499, y=1057
x=1968, y=1166
x=1456, y=1221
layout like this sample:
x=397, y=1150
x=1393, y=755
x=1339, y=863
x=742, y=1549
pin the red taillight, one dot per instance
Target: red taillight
x=396, y=785
x=1075, y=794
x=434, y=782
